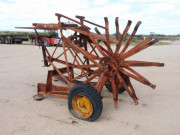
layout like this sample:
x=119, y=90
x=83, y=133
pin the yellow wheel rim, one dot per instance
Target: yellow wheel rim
x=82, y=106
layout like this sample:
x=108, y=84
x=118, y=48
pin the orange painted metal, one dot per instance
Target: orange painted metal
x=91, y=58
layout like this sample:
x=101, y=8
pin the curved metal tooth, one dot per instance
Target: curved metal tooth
x=98, y=32
x=122, y=37
x=134, y=49
x=127, y=89
x=137, y=77
x=131, y=87
x=114, y=92
x=117, y=28
x=131, y=37
x=144, y=47
x=147, y=45
x=107, y=36
x=141, y=63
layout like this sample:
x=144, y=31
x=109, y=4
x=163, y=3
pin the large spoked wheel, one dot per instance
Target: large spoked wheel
x=84, y=102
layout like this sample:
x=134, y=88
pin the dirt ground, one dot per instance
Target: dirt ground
x=158, y=111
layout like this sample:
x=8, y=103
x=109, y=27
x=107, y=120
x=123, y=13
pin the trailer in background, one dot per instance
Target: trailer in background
x=10, y=37
x=13, y=37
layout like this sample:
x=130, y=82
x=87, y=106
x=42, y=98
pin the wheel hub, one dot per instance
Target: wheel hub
x=110, y=65
x=82, y=105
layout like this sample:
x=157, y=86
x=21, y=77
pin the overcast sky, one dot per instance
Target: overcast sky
x=159, y=16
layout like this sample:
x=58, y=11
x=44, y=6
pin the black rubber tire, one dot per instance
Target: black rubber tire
x=1, y=40
x=37, y=42
x=46, y=43
x=19, y=42
x=7, y=40
x=13, y=42
x=90, y=92
x=122, y=89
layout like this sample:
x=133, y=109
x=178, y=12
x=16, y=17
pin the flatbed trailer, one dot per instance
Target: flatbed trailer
x=13, y=37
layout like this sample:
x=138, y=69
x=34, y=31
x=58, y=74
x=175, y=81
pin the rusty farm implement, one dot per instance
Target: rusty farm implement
x=88, y=62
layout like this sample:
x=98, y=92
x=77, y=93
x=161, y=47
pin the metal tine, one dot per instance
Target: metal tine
x=98, y=32
x=141, y=48
x=122, y=37
x=117, y=28
x=131, y=37
x=138, y=77
x=114, y=92
x=149, y=44
x=131, y=51
x=107, y=36
x=104, y=50
x=127, y=89
x=142, y=63
x=131, y=87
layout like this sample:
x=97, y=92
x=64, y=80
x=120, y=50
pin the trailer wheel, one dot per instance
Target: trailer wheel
x=121, y=88
x=84, y=102
x=19, y=42
x=37, y=42
x=1, y=40
x=46, y=43
x=7, y=40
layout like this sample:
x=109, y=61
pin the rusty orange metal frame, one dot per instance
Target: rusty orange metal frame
x=98, y=63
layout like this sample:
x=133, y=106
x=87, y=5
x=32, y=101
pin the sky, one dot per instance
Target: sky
x=159, y=16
